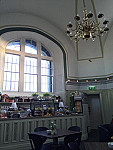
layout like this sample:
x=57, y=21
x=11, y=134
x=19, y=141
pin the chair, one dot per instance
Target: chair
x=74, y=128
x=105, y=132
x=73, y=145
x=75, y=138
x=41, y=129
x=36, y=141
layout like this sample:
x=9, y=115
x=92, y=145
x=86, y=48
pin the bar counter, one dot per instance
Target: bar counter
x=13, y=132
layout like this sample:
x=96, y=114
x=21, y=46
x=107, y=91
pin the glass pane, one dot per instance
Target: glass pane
x=16, y=86
x=45, y=52
x=30, y=74
x=46, y=67
x=11, y=72
x=46, y=84
x=8, y=78
x=8, y=86
x=30, y=47
x=8, y=58
x=46, y=64
x=15, y=45
x=46, y=76
x=30, y=64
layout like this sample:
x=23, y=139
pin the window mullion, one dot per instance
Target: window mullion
x=21, y=84
x=39, y=68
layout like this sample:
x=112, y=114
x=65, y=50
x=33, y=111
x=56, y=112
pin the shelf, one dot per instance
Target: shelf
x=16, y=102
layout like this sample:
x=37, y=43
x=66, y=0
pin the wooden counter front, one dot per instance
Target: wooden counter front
x=13, y=132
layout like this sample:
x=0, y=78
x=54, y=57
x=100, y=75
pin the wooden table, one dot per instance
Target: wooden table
x=59, y=133
x=96, y=146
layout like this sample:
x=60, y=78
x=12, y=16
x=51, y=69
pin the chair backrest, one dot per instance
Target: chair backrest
x=41, y=129
x=74, y=128
x=73, y=138
x=35, y=141
x=104, y=135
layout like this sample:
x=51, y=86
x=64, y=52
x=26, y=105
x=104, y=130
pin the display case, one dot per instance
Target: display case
x=78, y=104
x=33, y=107
x=43, y=107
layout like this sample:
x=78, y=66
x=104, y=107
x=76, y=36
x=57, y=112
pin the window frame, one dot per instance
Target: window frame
x=22, y=55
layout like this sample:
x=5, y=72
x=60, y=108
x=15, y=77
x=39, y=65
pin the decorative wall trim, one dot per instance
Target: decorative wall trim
x=90, y=77
x=93, y=81
x=100, y=40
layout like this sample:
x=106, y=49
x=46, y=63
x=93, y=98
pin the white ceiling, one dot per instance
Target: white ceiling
x=57, y=12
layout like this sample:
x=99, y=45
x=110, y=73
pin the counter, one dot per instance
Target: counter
x=13, y=132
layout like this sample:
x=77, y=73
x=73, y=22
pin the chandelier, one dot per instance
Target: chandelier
x=87, y=28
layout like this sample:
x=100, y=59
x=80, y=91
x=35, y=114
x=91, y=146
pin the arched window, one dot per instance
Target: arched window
x=45, y=52
x=28, y=67
x=15, y=45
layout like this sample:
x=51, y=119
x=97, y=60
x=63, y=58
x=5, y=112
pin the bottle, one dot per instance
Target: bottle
x=55, y=131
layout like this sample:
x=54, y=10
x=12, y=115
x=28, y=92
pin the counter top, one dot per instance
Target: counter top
x=40, y=117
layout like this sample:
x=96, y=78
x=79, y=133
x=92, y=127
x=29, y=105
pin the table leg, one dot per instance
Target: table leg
x=55, y=141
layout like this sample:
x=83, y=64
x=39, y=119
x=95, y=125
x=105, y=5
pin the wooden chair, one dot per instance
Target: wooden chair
x=75, y=138
x=35, y=141
x=41, y=129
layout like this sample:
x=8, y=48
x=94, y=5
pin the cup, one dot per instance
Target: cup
x=48, y=132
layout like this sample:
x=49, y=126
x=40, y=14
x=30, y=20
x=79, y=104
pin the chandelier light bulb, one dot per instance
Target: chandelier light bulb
x=105, y=21
x=90, y=15
x=106, y=29
x=69, y=25
x=77, y=18
x=100, y=15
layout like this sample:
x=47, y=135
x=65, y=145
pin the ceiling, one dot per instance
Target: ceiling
x=57, y=12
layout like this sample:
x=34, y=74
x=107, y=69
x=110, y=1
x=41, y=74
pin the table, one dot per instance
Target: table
x=96, y=146
x=59, y=133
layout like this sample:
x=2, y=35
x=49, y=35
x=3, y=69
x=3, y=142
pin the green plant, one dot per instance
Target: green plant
x=35, y=94
x=46, y=94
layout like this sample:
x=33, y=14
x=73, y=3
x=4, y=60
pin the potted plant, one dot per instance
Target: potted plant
x=35, y=95
x=47, y=95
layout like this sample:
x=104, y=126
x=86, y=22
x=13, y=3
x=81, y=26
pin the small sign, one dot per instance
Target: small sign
x=92, y=87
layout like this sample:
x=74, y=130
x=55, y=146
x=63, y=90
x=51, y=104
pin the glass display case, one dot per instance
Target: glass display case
x=78, y=104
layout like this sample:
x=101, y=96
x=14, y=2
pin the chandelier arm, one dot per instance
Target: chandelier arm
x=95, y=14
x=86, y=28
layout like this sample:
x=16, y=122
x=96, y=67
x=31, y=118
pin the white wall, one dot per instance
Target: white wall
x=99, y=67
x=18, y=19
x=108, y=53
x=75, y=69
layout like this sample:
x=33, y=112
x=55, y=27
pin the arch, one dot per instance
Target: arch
x=31, y=29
